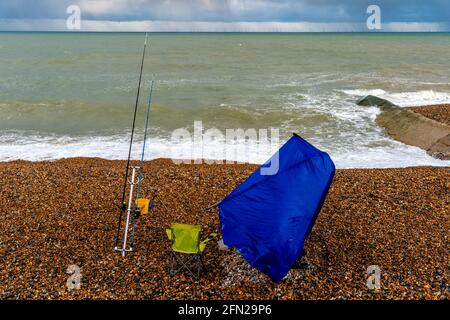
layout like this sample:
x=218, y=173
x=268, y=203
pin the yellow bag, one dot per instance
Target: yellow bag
x=143, y=205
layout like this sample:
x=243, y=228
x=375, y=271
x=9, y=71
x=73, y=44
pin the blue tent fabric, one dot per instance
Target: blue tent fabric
x=268, y=217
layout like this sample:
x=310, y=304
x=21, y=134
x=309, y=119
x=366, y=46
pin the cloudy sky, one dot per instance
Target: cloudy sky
x=225, y=15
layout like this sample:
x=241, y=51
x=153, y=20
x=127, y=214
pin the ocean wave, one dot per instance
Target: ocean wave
x=333, y=105
x=404, y=99
x=372, y=154
x=362, y=92
x=331, y=120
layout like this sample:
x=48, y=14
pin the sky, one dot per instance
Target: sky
x=225, y=15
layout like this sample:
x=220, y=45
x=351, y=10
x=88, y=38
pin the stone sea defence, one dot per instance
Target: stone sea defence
x=412, y=128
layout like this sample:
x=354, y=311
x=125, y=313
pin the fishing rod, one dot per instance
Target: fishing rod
x=123, y=204
x=141, y=166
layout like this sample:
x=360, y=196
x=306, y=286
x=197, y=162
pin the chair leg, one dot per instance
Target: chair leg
x=172, y=264
x=177, y=263
x=202, y=263
x=199, y=266
x=183, y=264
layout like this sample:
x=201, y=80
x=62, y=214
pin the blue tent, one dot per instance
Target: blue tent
x=268, y=217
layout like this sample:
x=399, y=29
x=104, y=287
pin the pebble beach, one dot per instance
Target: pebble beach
x=439, y=112
x=60, y=213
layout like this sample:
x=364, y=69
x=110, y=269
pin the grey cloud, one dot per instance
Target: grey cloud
x=325, y=11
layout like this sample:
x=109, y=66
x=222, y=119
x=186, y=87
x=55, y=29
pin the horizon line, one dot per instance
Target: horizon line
x=162, y=26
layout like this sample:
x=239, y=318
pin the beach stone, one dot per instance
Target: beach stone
x=61, y=213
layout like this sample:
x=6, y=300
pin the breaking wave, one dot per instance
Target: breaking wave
x=404, y=99
x=374, y=153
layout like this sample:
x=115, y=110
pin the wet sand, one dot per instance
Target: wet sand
x=55, y=214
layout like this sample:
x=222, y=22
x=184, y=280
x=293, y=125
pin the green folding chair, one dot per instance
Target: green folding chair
x=187, y=248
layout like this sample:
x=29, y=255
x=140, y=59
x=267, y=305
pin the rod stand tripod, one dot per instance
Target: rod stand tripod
x=130, y=209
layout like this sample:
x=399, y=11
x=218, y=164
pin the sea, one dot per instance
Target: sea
x=68, y=95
